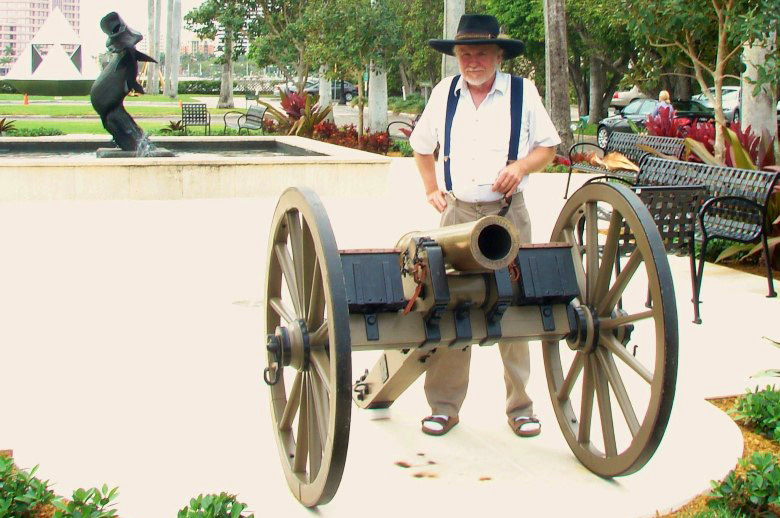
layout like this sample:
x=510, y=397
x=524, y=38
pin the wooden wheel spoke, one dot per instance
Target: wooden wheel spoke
x=293, y=403
x=321, y=407
x=571, y=377
x=608, y=256
x=610, y=369
x=296, y=245
x=281, y=309
x=316, y=306
x=586, y=407
x=591, y=249
x=579, y=271
x=619, y=350
x=319, y=336
x=288, y=270
x=612, y=323
x=321, y=364
x=315, y=431
x=608, y=303
x=302, y=437
x=605, y=409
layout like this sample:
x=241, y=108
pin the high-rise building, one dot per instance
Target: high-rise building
x=21, y=19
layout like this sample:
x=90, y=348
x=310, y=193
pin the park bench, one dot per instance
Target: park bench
x=250, y=95
x=252, y=119
x=734, y=208
x=626, y=144
x=195, y=114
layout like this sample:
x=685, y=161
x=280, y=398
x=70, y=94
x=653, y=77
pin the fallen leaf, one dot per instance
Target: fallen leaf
x=483, y=479
x=403, y=464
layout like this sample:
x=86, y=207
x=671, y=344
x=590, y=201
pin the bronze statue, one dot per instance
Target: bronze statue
x=117, y=80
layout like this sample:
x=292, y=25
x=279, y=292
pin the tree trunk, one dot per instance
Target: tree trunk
x=598, y=79
x=157, y=46
x=176, y=48
x=226, y=84
x=557, y=86
x=758, y=111
x=377, y=99
x=361, y=104
x=326, y=87
x=408, y=88
x=167, y=86
x=683, y=87
x=150, y=68
x=453, y=10
x=580, y=85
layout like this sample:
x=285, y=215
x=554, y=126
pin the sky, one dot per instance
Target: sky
x=133, y=12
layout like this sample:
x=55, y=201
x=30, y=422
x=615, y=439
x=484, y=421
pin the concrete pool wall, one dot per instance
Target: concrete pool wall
x=329, y=170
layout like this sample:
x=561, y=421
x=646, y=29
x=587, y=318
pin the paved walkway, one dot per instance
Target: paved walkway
x=132, y=355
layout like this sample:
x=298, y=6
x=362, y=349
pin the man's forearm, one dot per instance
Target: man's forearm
x=426, y=165
x=538, y=159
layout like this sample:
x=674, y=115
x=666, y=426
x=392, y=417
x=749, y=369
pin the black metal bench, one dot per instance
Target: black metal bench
x=736, y=205
x=252, y=119
x=674, y=210
x=626, y=144
x=195, y=114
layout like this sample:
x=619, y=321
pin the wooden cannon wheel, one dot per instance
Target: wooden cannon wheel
x=309, y=354
x=625, y=355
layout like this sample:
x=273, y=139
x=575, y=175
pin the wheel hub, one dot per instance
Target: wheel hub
x=585, y=331
x=289, y=347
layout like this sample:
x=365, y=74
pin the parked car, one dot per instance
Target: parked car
x=730, y=100
x=637, y=111
x=312, y=86
x=622, y=98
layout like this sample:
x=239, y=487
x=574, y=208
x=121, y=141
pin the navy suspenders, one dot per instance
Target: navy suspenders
x=516, y=109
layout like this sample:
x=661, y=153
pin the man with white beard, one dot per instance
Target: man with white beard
x=492, y=131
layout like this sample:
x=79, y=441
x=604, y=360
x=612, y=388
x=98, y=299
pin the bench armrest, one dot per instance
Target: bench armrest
x=403, y=123
x=752, y=210
x=609, y=178
x=576, y=148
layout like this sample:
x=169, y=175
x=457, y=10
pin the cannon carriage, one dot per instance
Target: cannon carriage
x=599, y=297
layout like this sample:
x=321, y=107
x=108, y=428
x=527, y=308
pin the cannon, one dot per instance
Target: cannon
x=599, y=297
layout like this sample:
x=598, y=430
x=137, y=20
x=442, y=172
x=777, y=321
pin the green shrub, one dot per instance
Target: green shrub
x=556, y=168
x=760, y=410
x=88, y=503
x=402, y=146
x=755, y=493
x=200, y=86
x=714, y=248
x=35, y=132
x=412, y=104
x=6, y=88
x=21, y=493
x=222, y=505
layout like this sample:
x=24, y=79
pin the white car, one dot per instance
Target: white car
x=622, y=98
x=730, y=102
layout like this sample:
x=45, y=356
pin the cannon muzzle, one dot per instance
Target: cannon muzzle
x=489, y=243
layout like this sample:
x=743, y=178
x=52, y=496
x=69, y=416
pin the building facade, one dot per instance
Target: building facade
x=20, y=20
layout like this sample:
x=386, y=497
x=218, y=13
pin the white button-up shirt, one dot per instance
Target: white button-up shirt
x=479, y=139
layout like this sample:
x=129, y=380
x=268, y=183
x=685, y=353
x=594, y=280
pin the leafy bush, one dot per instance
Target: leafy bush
x=755, y=493
x=173, y=127
x=6, y=126
x=6, y=88
x=22, y=495
x=347, y=136
x=403, y=147
x=760, y=410
x=201, y=86
x=222, y=505
x=35, y=132
x=413, y=104
x=88, y=503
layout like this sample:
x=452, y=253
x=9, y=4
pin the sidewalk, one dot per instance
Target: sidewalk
x=132, y=353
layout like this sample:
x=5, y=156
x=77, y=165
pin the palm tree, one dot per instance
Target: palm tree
x=556, y=61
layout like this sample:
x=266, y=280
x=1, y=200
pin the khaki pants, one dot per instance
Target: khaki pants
x=447, y=376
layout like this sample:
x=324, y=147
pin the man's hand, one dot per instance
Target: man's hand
x=437, y=199
x=509, y=178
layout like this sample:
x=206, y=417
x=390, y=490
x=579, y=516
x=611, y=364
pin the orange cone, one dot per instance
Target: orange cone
x=179, y=103
x=26, y=100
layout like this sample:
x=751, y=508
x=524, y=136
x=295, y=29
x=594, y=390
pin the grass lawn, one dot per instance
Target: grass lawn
x=147, y=98
x=87, y=126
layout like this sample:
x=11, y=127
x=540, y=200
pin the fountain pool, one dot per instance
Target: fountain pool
x=59, y=168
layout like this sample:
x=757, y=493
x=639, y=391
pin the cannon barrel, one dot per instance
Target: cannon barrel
x=489, y=243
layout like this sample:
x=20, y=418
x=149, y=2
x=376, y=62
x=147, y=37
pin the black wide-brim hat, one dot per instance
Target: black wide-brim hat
x=479, y=29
